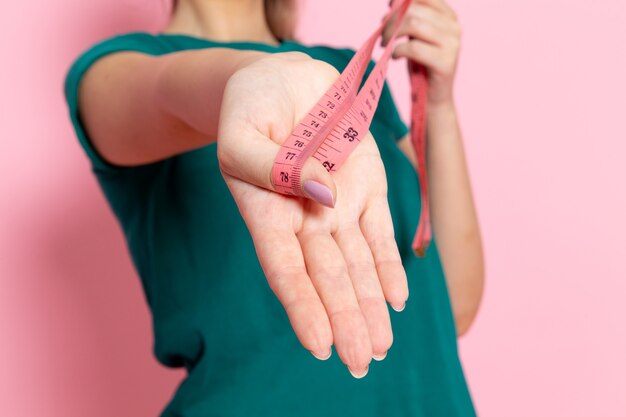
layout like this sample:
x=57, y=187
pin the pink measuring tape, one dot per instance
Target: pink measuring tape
x=334, y=126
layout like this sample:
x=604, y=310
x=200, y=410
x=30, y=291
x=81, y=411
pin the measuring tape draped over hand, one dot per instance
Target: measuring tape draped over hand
x=335, y=125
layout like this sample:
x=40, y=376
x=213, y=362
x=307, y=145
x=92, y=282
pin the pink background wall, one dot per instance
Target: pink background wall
x=542, y=103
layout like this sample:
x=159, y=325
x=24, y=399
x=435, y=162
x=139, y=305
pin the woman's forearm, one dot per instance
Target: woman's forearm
x=454, y=220
x=139, y=108
x=190, y=85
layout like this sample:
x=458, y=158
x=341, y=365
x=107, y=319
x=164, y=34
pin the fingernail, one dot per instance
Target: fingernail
x=379, y=357
x=319, y=192
x=359, y=375
x=323, y=358
x=400, y=308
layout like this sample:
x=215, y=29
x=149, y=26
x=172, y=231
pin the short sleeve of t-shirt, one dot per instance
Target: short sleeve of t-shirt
x=139, y=42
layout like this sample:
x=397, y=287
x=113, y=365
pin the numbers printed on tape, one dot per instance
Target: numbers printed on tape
x=333, y=127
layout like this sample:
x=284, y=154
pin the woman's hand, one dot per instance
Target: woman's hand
x=434, y=41
x=331, y=268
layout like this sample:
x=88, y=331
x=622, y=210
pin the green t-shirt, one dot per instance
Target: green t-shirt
x=213, y=311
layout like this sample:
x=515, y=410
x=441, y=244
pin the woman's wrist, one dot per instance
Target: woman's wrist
x=441, y=106
x=442, y=121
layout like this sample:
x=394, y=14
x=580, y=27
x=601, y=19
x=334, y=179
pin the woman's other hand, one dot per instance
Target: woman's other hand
x=333, y=269
x=434, y=41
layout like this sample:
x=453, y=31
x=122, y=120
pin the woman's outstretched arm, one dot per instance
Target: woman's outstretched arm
x=334, y=265
x=434, y=41
x=139, y=108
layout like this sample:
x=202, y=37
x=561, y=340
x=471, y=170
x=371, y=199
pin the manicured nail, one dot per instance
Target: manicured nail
x=379, y=357
x=323, y=358
x=359, y=375
x=400, y=308
x=319, y=192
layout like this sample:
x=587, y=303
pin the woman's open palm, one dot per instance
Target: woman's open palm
x=333, y=269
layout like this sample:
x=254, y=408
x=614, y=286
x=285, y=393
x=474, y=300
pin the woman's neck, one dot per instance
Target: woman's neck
x=222, y=20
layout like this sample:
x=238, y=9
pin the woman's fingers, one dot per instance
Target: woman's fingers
x=367, y=287
x=440, y=5
x=280, y=255
x=417, y=18
x=419, y=51
x=424, y=23
x=434, y=41
x=431, y=23
x=377, y=228
x=329, y=274
x=249, y=155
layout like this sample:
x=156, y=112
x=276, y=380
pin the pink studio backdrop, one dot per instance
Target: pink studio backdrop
x=542, y=100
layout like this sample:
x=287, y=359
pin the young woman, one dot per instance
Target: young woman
x=182, y=129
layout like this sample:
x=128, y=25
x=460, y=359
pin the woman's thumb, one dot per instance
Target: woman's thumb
x=254, y=162
x=318, y=184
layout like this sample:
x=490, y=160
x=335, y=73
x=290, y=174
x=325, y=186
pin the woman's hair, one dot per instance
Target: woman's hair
x=281, y=16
